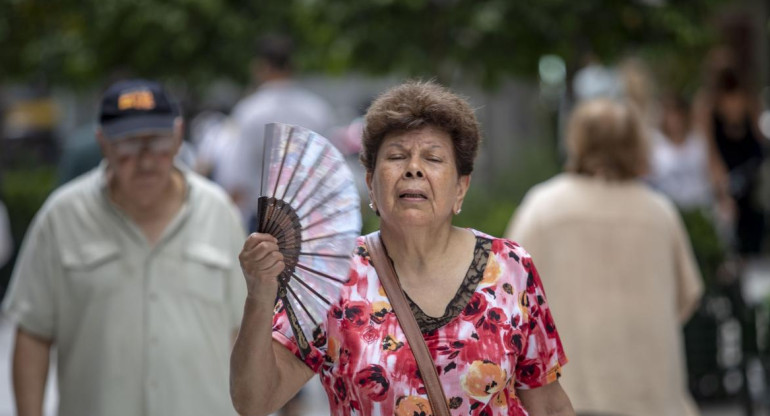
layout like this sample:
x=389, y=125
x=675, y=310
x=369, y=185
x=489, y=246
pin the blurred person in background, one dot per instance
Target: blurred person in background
x=618, y=268
x=214, y=134
x=679, y=165
x=280, y=99
x=477, y=299
x=727, y=114
x=130, y=273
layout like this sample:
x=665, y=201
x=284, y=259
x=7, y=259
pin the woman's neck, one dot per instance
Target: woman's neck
x=417, y=251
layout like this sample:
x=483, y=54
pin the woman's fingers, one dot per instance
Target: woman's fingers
x=260, y=256
x=255, y=239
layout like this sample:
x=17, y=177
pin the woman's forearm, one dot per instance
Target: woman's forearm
x=253, y=367
x=263, y=374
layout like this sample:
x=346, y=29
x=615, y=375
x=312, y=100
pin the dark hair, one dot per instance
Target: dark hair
x=414, y=105
x=606, y=138
x=727, y=81
x=276, y=50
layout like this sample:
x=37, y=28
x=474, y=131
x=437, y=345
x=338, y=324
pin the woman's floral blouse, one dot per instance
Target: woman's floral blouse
x=496, y=336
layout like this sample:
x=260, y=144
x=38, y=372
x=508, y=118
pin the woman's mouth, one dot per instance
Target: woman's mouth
x=412, y=195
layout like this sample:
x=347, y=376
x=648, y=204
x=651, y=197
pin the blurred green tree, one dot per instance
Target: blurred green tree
x=78, y=42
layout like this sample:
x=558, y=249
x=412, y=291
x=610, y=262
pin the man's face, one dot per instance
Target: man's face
x=141, y=165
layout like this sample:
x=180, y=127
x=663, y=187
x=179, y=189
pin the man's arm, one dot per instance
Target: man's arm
x=548, y=400
x=30, y=372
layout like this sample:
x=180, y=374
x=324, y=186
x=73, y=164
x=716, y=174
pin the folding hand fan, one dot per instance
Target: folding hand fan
x=310, y=204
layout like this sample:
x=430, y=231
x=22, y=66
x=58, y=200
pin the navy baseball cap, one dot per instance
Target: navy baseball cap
x=137, y=106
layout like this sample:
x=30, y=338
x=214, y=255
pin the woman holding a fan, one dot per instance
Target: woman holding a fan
x=478, y=302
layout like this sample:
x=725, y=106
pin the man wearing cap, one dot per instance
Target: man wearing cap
x=130, y=271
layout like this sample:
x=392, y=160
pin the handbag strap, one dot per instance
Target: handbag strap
x=389, y=280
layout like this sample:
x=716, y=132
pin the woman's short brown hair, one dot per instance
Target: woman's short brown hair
x=606, y=138
x=414, y=105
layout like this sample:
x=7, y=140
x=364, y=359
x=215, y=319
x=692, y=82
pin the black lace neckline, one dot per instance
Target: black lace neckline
x=464, y=293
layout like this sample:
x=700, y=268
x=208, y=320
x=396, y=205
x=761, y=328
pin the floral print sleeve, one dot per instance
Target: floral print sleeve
x=497, y=336
x=543, y=354
x=282, y=333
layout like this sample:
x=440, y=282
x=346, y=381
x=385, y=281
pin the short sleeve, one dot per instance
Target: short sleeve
x=283, y=334
x=31, y=298
x=543, y=355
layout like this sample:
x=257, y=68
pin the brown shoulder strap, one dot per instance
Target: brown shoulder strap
x=389, y=280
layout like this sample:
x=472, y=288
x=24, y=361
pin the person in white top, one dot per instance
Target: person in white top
x=278, y=99
x=679, y=162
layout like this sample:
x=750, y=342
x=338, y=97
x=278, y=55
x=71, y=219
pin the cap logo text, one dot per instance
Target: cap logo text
x=136, y=100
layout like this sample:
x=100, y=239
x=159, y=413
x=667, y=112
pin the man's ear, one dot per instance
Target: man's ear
x=102, y=141
x=178, y=131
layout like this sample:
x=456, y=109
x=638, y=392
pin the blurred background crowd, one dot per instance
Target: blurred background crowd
x=697, y=70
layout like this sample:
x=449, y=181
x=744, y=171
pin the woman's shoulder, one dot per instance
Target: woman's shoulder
x=503, y=248
x=508, y=267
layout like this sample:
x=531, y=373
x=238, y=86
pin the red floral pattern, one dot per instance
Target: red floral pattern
x=504, y=339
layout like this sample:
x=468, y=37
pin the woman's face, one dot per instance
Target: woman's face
x=415, y=179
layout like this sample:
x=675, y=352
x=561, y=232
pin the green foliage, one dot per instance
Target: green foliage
x=77, y=42
x=24, y=191
x=370, y=221
x=707, y=247
x=486, y=213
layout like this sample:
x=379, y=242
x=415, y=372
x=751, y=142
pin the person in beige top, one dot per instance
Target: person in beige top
x=130, y=273
x=618, y=268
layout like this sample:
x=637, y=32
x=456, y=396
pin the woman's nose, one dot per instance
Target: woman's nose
x=413, y=170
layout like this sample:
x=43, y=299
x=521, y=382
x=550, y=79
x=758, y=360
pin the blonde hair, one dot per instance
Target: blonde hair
x=605, y=138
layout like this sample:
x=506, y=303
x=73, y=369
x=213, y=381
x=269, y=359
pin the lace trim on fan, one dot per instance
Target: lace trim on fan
x=472, y=278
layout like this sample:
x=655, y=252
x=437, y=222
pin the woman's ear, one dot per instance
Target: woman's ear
x=463, y=183
x=369, y=181
x=372, y=202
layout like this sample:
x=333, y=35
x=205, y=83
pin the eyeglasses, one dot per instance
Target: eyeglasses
x=131, y=147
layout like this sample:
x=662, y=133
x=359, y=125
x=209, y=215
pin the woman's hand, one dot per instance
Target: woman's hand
x=261, y=263
x=264, y=375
